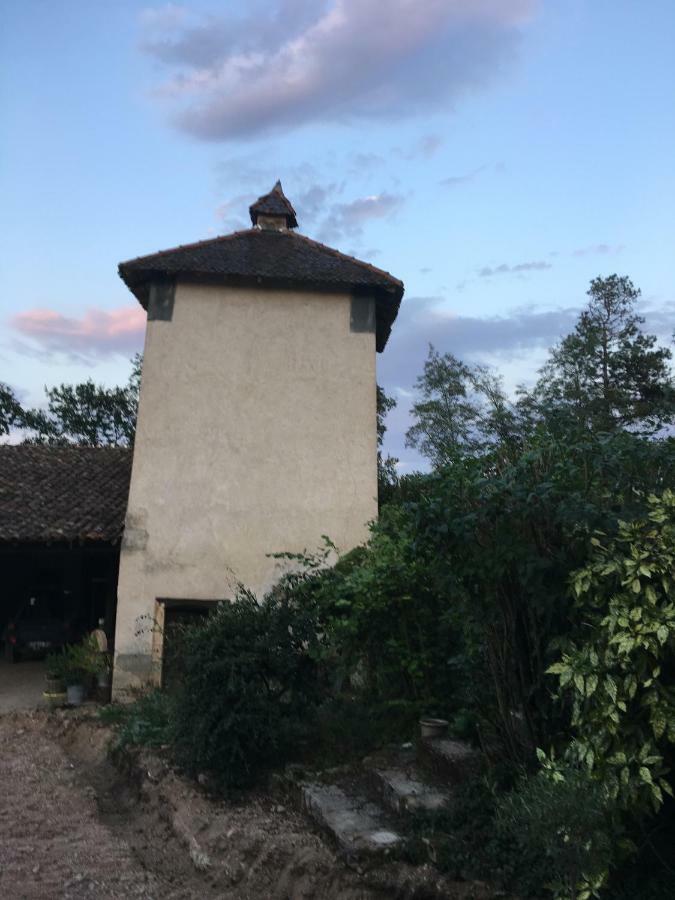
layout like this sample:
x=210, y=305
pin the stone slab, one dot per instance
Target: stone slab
x=406, y=790
x=448, y=759
x=357, y=825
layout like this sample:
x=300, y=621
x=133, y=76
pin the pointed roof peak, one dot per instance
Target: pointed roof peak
x=274, y=206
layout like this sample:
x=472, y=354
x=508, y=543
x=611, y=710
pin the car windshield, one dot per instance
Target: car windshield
x=32, y=609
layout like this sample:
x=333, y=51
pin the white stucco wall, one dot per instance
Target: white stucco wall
x=256, y=434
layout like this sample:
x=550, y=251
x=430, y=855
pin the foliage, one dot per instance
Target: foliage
x=462, y=410
x=562, y=827
x=87, y=414
x=462, y=840
x=501, y=549
x=608, y=374
x=56, y=666
x=618, y=671
x=145, y=722
x=247, y=690
x=386, y=465
x=388, y=634
x=77, y=663
x=11, y=412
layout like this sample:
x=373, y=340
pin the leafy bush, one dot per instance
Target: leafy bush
x=561, y=824
x=146, y=722
x=388, y=637
x=619, y=672
x=500, y=542
x=77, y=663
x=248, y=688
x=463, y=840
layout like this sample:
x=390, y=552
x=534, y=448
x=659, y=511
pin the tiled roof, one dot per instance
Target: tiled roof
x=63, y=493
x=273, y=258
x=276, y=203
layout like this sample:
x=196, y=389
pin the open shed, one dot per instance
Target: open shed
x=61, y=521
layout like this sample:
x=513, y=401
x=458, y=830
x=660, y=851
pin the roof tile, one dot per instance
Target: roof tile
x=63, y=493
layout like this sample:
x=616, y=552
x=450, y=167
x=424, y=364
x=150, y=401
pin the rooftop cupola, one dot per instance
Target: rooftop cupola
x=273, y=211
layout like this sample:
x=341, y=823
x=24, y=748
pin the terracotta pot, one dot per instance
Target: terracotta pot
x=433, y=728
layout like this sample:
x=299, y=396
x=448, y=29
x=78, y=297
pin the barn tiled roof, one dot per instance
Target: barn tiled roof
x=63, y=493
x=273, y=258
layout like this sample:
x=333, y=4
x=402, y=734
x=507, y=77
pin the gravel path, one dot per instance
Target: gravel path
x=52, y=843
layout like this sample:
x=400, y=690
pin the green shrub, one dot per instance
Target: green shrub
x=463, y=840
x=500, y=541
x=77, y=663
x=146, y=722
x=389, y=636
x=248, y=688
x=619, y=672
x=562, y=825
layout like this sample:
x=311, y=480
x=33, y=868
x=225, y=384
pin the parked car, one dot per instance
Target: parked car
x=33, y=630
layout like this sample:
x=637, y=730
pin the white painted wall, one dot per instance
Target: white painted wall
x=256, y=434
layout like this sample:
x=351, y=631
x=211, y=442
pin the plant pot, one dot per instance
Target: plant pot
x=433, y=728
x=75, y=694
x=54, y=685
x=54, y=699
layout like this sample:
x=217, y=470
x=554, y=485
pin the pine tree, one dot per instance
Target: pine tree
x=608, y=373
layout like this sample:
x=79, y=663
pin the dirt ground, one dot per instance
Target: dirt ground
x=73, y=825
x=21, y=684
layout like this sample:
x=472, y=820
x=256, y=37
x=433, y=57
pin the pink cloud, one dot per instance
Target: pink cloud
x=97, y=333
x=337, y=60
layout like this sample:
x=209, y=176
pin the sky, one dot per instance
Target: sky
x=495, y=155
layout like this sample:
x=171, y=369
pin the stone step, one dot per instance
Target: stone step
x=406, y=790
x=447, y=759
x=358, y=826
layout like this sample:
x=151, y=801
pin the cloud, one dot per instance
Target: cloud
x=505, y=269
x=365, y=162
x=98, y=333
x=455, y=180
x=598, y=250
x=423, y=320
x=426, y=147
x=295, y=62
x=164, y=18
x=315, y=201
x=175, y=35
x=349, y=218
x=234, y=214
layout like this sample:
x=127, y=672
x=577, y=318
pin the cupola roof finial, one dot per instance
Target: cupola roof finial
x=273, y=210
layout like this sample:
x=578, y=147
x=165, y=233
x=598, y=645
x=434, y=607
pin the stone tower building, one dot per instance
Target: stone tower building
x=256, y=429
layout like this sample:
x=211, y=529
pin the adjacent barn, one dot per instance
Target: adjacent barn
x=61, y=520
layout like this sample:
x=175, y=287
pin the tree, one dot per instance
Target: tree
x=608, y=373
x=461, y=410
x=386, y=466
x=87, y=414
x=11, y=413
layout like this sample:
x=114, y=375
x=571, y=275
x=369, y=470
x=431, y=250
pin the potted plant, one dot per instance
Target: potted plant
x=80, y=665
x=55, y=688
x=54, y=683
